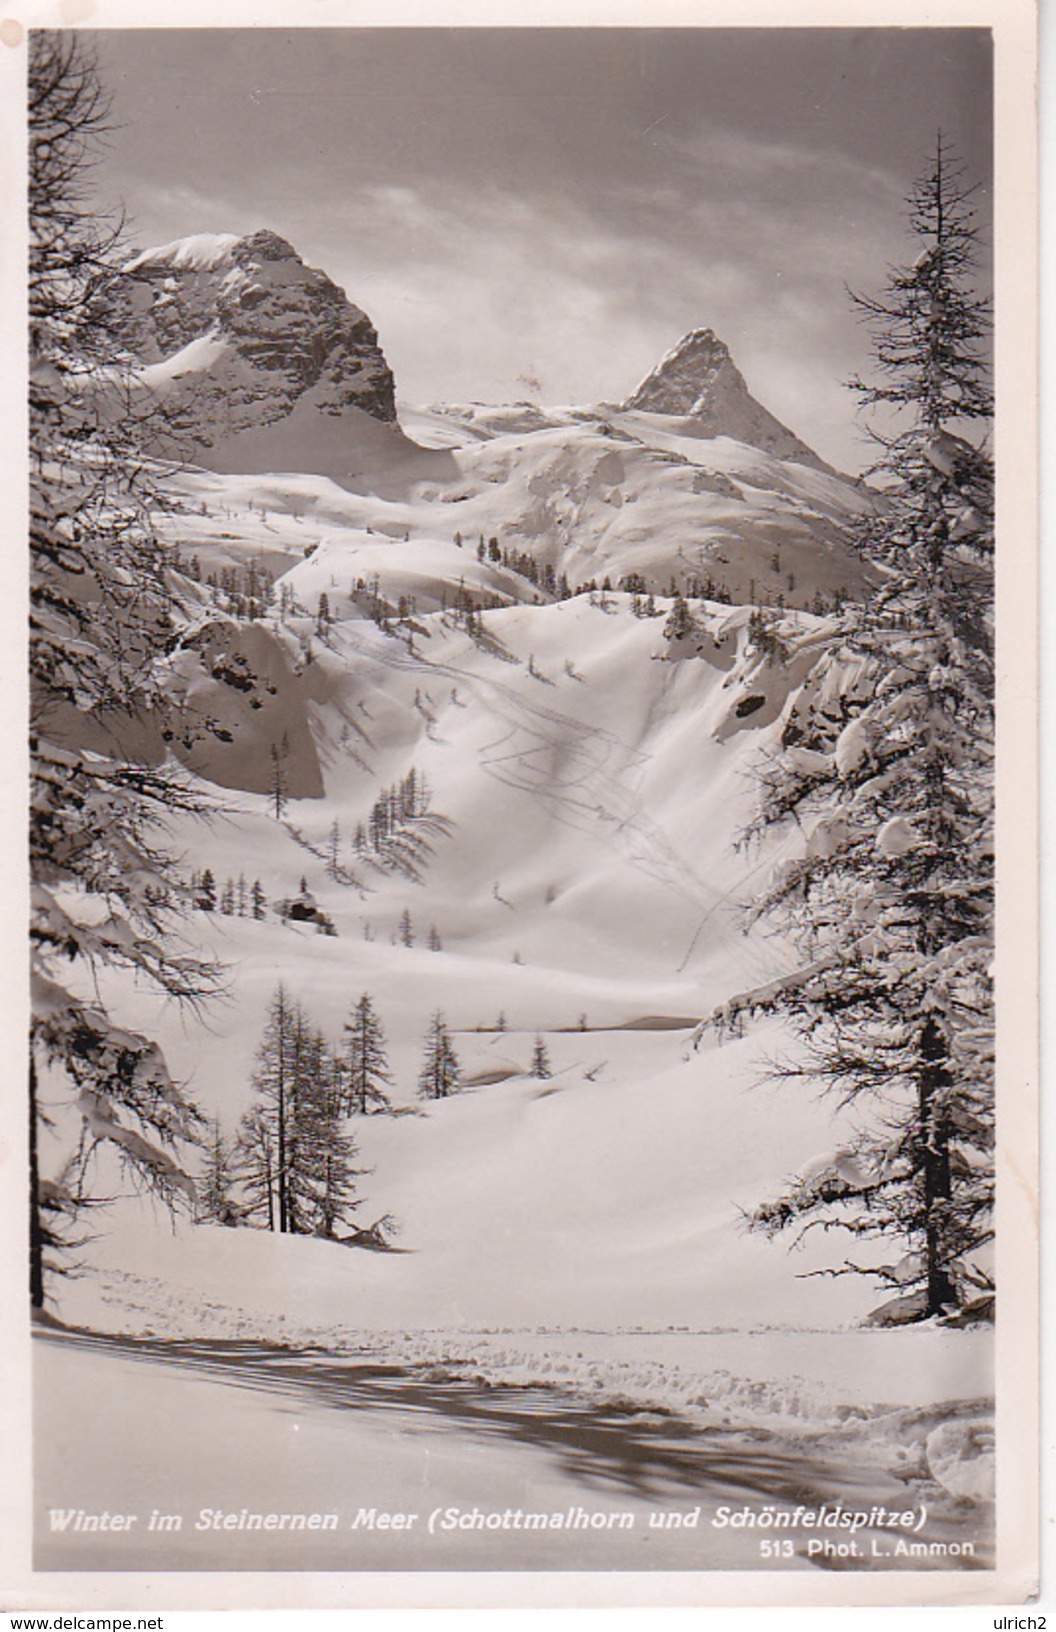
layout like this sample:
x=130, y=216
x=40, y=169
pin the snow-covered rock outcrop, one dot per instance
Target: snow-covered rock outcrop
x=236, y=333
x=699, y=380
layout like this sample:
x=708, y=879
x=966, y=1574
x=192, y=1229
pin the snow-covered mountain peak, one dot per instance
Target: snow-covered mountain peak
x=212, y=252
x=202, y=251
x=699, y=380
x=238, y=332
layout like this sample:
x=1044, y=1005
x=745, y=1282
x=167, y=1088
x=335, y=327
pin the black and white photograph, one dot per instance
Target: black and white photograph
x=525, y=1036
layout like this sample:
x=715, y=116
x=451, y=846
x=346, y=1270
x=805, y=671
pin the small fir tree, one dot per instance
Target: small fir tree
x=441, y=1074
x=540, y=1066
x=277, y=792
x=366, y=1065
x=215, y=1186
x=255, y=1167
x=333, y=850
x=323, y=1173
x=679, y=620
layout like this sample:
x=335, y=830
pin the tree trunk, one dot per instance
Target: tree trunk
x=935, y=1137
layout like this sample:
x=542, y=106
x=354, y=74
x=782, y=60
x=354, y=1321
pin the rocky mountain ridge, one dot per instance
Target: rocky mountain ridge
x=261, y=365
x=235, y=332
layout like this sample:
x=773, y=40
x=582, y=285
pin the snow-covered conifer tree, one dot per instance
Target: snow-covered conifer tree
x=277, y=791
x=886, y=769
x=325, y=1172
x=540, y=1066
x=216, y=1182
x=101, y=612
x=440, y=1074
x=679, y=620
x=205, y=896
x=366, y=1066
x=271, y=1126
x=333, y=850
x=254, y=1162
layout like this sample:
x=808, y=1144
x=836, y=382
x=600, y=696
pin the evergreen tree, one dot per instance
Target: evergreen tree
x=440, y=1075
x=277, y=780
x=275, y=1080
x=328, y=1151
x=333, y=850
x=679, y=620
x=435, y=943
x=215, y=1185
x=366, y=1062
x=406, y=928
x=101, y=611
x=205, y=897
x=886, y=764
x=295, y=1159
x=255, y=1166
x=540, y=1061
x=306, y=1049
x=763, y=636
x=258, y=900
x=320, y=1173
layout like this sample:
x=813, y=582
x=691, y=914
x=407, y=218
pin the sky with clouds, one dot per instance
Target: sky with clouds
x=546, y=211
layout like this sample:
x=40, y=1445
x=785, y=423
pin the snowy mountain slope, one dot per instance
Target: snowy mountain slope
x=554, y=724
x=589, y=499
x=588, y=780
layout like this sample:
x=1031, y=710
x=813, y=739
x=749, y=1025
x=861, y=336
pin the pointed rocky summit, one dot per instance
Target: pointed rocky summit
x=699, y=380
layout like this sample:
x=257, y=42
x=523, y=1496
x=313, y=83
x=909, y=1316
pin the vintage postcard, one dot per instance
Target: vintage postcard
x=532, y=810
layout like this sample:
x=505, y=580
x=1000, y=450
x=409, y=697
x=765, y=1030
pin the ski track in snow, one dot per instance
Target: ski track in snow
x=585, y=783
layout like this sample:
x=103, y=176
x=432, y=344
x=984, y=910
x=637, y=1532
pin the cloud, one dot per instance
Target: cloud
x=472, y=288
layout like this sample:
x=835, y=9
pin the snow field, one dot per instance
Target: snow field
x=592, y=821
